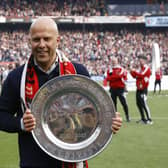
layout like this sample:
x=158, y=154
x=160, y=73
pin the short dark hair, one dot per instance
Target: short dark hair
x=142, y=57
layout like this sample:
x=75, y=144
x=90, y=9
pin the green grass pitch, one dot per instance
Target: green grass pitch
x=135, y=146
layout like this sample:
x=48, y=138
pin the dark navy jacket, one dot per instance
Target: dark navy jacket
x=31, y=156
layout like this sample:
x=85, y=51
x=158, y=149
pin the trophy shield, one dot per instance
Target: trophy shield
x=73, y=118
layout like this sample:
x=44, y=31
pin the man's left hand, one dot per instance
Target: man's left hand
x=116, y=123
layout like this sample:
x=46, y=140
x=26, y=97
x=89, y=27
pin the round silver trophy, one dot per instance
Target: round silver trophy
x=73, y=118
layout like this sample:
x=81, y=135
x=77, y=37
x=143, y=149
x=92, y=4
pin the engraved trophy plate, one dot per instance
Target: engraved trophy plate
x=73, y=118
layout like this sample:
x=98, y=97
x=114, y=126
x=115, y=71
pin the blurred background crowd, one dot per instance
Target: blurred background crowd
x=92, y=48
x=32, y=8
x=20, y=8
x=93, y=45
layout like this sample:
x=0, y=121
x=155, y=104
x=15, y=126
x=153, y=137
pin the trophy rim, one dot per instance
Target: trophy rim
x=88, y=148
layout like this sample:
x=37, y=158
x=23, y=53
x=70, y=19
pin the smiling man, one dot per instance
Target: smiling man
x=44, y=40
x=45, y=63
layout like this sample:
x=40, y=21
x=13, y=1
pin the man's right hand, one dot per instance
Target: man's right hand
x=29, y=121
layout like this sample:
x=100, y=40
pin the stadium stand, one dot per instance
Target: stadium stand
x=93, y=48
x=30, y=8
x=137, y=10
x=91, y=44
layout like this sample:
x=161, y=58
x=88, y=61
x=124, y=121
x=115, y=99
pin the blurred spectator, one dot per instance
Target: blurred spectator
x=6, y=71
x=158, y=77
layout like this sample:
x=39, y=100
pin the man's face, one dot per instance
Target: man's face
x=142, y=62
x=114, y=62
x=44, y=41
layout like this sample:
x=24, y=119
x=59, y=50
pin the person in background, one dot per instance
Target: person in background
x=6, y=72
x=158, y=77
x=142, y=76
x=45, y=63
x=116, y=76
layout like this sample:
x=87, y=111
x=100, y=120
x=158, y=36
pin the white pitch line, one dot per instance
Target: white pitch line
x=153, y=118
x=157, y=96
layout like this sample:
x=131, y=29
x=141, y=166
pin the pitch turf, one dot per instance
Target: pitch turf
x=135, y=146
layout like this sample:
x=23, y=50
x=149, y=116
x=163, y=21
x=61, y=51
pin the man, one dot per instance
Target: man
x=117, y=76
x=142, y=81
x=45, y=63
x=6, y=72
x=158, y=77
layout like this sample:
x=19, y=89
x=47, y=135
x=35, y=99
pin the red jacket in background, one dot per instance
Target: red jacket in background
x=158, y=75
x=142, y=77
x=116, y=77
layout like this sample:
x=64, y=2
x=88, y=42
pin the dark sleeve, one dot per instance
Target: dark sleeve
x=81, y=69
x=10, y=113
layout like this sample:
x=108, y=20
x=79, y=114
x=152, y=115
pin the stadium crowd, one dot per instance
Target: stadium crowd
x=92, y=48
x=30, y=8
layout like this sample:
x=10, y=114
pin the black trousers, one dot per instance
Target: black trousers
x=141, y=101
x=120, y=93
x=157, y=82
